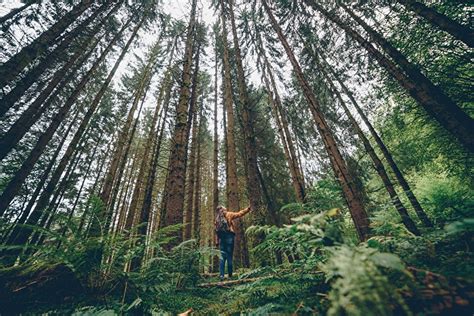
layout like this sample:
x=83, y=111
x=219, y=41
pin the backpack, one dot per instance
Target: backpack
x=222, y=226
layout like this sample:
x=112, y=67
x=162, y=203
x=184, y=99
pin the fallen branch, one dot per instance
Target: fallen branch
x=231, y=282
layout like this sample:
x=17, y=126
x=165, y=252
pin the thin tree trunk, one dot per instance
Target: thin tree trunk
x=12, y=68
x=232, y=188
x=177, y=171
x=150, y=183
x=138, y=192
x=78, y=196
x=215, y=174
x=120, y=171
x=196, y=209
x=126, y=214
x=188, y=214
x=457, y=30
x=283, y=129
x=93, y=189
x=388, y=156
x=114, y=172
x=192, y=120
x=378, y=165
x=47, y=218
x=356, y=206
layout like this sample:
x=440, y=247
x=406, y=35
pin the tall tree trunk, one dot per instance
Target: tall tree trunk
x=92, y=191
x=193, y=116
x=78, y=195
x=253, y=184
x=44, y=177
x=106, y=220
x=435, y=102
x=282, y=123
x=356, y=207
x=47, y=218
x=177, y=171
x=20, y=176
x=388, y=156
x=284, y=141
x=50, y=60
x=232, y=188
x=126, y=215
x=378, y=165
x=121, y=151
x=138, y=192
x=42, y=103
x=143, y=215
x=150, y=183
x=196, y=209
x=45, y=196
x=215, y=173
x=457, y=30
x=12, y=67
x=188, y=214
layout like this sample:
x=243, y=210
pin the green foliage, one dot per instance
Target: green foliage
x=324, y=195
x=445, y=198
x=358, y=284
x=303, y=239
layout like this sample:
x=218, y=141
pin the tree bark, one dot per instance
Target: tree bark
x=177, y=171
x=215, y=170
x=457, y=30
x=193, y=115
x=356, y=206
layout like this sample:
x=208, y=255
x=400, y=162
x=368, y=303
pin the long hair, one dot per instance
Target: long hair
x=219, y=216
x=220, y=210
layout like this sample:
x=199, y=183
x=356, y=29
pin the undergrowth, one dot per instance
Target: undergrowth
x=308, y=267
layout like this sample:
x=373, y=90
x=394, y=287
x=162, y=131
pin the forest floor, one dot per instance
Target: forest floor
x=437, y=280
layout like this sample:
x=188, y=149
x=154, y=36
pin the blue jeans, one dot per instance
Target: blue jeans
x=226, y=242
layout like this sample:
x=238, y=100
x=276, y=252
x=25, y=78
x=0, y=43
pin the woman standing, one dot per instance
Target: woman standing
x=225, y=232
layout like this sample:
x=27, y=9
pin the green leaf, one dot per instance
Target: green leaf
x=387, y=260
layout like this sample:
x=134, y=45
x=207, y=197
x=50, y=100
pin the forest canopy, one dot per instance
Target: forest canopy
x=341, y=130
